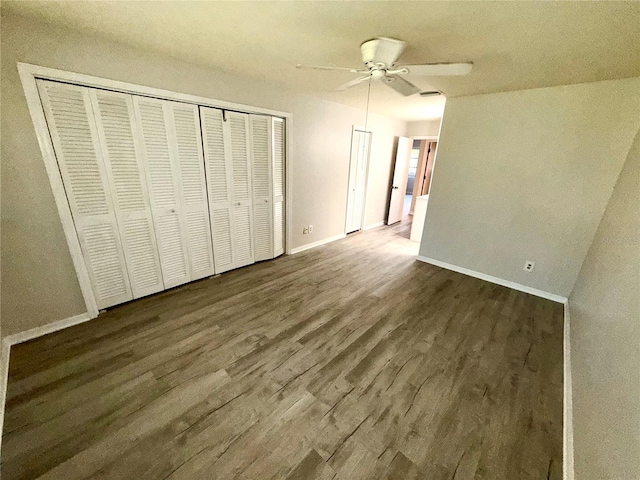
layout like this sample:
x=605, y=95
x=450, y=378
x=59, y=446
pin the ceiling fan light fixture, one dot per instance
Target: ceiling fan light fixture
x=379, y=56
x=381, y=50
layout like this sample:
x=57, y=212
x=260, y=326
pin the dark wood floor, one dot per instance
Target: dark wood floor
x=352, y=360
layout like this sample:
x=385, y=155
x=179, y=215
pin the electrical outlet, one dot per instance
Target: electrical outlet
x=310, y=228
x=305, y=230
x=528, y=266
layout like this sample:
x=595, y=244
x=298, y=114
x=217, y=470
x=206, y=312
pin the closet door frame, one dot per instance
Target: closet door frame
x=30, y=73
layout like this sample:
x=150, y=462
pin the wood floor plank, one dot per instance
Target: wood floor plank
x=350, y=360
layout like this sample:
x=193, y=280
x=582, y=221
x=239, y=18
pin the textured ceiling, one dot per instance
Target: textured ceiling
x=514, y=45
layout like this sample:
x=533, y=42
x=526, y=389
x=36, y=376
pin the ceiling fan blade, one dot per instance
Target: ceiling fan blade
x=400, y=85
x=353, y=82
x=382, y=50
x=344, y=69
x=438, y=69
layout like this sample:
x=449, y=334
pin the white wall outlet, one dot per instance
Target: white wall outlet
x=528, y=266
x=305, y=230
x=310, y=228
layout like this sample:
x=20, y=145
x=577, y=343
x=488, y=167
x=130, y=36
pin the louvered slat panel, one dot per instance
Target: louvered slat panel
x=143, y=261
x=75, y=140
x=215, y=155
x=260, y=151
x=189, y=154
x=278, y=228
x=199, y=234
x=263, y=231
x=115, y=121
x=278, y=186
x=102, y=254
x=154, y=134
x=222, y=240
x=67, y=117
x=261, y=180
x=187, y=141
x=113, y=115
x=244, y=237
x=239, y=155
x=163, y=174
x=172, y=251
x=278, y=157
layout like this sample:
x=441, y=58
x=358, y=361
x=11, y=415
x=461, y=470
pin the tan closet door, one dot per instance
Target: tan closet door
x=262, y=173
x=278, y=185
x=163, y=178
x=122, y=157
x=73, y=132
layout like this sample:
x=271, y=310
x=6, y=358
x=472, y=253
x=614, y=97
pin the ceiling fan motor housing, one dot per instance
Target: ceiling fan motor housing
x=381, y=51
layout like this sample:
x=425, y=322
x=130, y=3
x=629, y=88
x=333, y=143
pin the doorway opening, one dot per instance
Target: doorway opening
x=411, y=181
x=358, y=170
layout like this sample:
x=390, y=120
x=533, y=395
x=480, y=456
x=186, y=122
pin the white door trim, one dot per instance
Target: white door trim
x=28, y=75
x=567, y=424
x=355, y=128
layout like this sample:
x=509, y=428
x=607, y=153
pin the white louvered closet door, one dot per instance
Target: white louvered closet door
x=186, y=140
x=219, y=186
x=123, y=164
x=163, y=179
x=237, y=131
x=227, y=161
x=73, y=132
x=278, y=144
x=262, y=173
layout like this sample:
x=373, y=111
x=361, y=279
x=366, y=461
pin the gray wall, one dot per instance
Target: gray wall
x=39, y=283
x=605, y=339
x=526, y=175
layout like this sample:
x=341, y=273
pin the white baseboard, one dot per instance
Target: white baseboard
x=50, y=328
x=496, y=280
x=317, y=244
x=567, y=417
x=374, y=225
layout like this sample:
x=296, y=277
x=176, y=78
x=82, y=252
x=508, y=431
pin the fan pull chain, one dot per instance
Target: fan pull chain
x=366, y=115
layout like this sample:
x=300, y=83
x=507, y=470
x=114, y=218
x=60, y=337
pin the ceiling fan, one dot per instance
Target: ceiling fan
x=379, y=56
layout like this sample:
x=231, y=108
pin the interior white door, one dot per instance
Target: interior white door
x=75, y=140
x=399, y=184
x=237, y=132
x=163, y=178
x=262, y=173
x=122, y=158
x=360, y=143
x=227, y=147
x=278, y=145
x=219, y=187
x=185, y=140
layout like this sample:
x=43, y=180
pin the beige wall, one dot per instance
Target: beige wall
x=526, y=175
x=39, y=284
x=426, y=128
x=605, y=339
